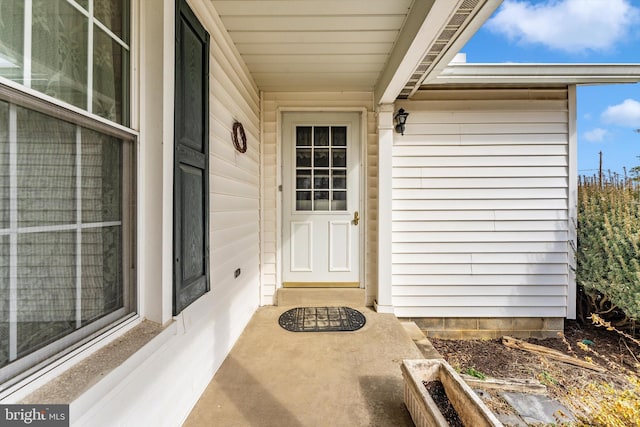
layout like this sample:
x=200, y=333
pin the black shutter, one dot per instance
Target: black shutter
x=191, y=160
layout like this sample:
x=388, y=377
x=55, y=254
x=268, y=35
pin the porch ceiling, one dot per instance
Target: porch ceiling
x=342, y=45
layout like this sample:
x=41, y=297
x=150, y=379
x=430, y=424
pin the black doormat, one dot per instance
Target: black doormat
x=322, y=319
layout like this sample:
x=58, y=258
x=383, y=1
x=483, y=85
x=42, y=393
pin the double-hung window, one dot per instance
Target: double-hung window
x=67, y=178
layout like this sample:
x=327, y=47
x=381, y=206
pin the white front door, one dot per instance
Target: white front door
x=321, y=199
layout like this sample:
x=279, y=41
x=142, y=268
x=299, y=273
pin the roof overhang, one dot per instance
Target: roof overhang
x=431, y=37
x=383, y=46
x=534, y=74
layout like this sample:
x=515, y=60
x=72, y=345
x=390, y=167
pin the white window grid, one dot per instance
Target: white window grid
x=19, y=368
x=28, y=14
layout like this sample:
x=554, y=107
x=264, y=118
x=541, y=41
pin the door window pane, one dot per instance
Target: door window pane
x=321, y=136
x=303, y=201
x=303, y=179
x=339, y=201
x=303, y=158
x=321, y=201
x=339, y=157
x=329, y=162
x=303, y=136
x=339, y=136
x=59, y=51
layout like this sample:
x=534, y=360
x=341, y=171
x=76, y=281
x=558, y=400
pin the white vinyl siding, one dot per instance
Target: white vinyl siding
x=480, y=204
x=272, y=103
x=173, y=374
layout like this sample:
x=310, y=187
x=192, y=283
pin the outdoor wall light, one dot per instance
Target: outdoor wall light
x=401, y=120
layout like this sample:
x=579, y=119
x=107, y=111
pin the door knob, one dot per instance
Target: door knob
x=356, y=218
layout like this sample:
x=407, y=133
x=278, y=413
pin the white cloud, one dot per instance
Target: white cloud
x=626, y=114
x=568, y=25
x=595, y=135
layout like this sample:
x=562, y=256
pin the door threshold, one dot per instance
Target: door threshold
x=321, y=284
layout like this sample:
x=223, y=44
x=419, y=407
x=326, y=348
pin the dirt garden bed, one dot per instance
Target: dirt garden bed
x=575, y=387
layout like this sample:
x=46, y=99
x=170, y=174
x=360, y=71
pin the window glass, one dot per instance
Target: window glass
x=101, y=177
x=321, y=166
x=114, y=15
x=4, y=300
x=102, y=291
x=73, y=207
x=46, y=288
x=59, y=51
x=46, y=170
x=11, y=40
x=4, y=165
x=110, y=85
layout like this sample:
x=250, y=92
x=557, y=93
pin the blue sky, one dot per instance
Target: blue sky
x=576, y=31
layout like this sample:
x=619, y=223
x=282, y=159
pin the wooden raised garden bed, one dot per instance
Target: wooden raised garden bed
x=471, y=411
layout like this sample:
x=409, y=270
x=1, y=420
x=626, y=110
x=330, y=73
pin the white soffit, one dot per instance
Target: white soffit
x=314, y=45
x=536, y=74
x=386, y=46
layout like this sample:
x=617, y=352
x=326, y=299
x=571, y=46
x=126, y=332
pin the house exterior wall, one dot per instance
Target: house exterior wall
x=273, y=103
x=162, y=381
x=481, y=206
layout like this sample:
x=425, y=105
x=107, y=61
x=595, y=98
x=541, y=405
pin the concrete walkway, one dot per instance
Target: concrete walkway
x=273, y=377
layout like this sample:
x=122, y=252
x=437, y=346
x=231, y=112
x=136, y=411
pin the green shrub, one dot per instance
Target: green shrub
x=608, y=242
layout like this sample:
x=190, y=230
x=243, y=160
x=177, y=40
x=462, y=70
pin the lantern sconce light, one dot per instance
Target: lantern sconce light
x=400, y=119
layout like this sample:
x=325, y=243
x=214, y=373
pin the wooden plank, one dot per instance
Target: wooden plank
x=478, y=290
x=532, y=225
x=524, y=268
x=469, y=116
x=542, y=182
x=513, y=301
x=550, y=353
x=411, y=269
x=451, y=104
x=387, y=36
x=313, y=23
x=435, y=258
x=474, y=247
x=480, y=161
x=314, y=49
x=454, y=310
x=480, y=236
x=480, y=215
x=310, y=7
x=472, y=268
x=524, y=204
x=492, y=94
x=304, y=67
x=480, y=171
x=506, y=384
x=412, y=226
x=485, y=128
x=480, y=150
x=520, y=258
x=478, y=193
x=486, y=280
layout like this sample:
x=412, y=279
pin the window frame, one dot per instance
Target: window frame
x=19, y=96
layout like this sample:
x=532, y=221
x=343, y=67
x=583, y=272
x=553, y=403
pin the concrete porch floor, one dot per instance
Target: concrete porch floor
x=273, y=377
